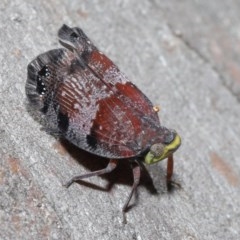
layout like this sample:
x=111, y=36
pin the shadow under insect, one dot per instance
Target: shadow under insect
x=123, y=174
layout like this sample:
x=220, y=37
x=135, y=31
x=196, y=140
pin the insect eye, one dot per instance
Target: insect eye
x=157, y=149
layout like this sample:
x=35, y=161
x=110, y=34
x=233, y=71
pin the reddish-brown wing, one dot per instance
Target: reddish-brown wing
x=85, y=96
x=108, y=115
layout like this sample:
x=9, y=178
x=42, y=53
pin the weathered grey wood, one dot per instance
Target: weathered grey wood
x=143, y=38
x=212, y=31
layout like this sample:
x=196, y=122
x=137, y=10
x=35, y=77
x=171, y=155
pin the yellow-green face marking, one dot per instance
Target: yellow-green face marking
x=160, y=151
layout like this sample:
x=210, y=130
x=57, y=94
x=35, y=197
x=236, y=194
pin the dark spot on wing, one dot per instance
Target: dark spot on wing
x=42, y=75
x=92, y=141
x=41, y=89
x=44, y=72
x=74, y=36
x=45, y=107
x=63, y=121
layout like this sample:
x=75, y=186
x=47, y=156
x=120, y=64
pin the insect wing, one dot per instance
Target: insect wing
x=85, y=96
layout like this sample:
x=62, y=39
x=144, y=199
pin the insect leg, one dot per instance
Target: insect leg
x=136, y=179
x=110, y=167
x=170, y=166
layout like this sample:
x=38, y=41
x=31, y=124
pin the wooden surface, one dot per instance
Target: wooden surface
x=185, y=56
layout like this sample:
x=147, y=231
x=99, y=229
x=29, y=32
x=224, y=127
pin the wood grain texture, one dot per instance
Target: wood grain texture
x=162, y=52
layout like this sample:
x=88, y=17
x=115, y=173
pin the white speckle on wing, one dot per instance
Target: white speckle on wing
x=76, y=106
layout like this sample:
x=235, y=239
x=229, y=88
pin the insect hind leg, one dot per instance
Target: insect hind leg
x=110, y=167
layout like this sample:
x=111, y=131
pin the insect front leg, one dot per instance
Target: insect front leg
x=170, y=166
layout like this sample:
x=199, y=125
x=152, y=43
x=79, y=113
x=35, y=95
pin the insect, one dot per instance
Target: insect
x=85, y=98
